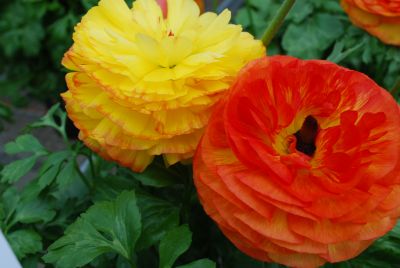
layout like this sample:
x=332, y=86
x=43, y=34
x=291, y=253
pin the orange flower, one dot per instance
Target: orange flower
x=144, y=83
x=299, y=164
x=380, y=18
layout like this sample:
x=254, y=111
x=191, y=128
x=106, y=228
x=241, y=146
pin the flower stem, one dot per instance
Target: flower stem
x=277, y=21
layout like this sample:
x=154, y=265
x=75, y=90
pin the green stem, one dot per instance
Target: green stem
x=276, y=22
x=395, y=89
x=65, y=138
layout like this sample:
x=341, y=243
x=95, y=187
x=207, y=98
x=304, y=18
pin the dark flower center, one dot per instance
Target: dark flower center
x=306, y=136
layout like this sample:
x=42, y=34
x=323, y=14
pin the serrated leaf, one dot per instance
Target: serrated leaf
x=10, y=200
x=48, y=176
x=338, y=54
x=173, y=244
x=309, y=39
x=32, y=211
x=67, y=174
x=49, y=120
x=203, y=263
x=30, y=191
x=301, y=10
x=256, y=16
x=110, y=187
x=112, y=226
x=158, y=217
x=17, y=169
x=55, y=159
x=24, y=242
x=51, y=167
x=156, y=176
x=24, y=143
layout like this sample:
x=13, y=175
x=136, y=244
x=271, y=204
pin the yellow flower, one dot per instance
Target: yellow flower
x=144, y=85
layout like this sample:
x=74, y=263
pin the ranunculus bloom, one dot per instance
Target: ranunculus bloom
x=299, y=164
x=380, y=18
x=144, y=85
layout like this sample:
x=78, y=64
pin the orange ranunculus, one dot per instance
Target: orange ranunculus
x=380, y=18
x=144, y=83
x=299, y=164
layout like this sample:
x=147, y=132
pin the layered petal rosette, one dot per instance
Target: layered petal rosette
x=299, y=164
x=142, y=84
x=380, y=18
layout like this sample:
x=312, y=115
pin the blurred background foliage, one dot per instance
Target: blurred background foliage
x=34, y=34
x=319, y=29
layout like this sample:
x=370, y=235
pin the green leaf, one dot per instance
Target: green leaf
x=25, y=208
x=174, y=244
x=10, y=200
x=55, y=159
x=2, y=213
x=51, y=167
x=109, y=187
x=310, y=38
x=337, y=55
x=34, y=210
x=5, y=114
x=158, y=217
x=259, y=14
x=48, y=176
x=301, y=10
x=329, y=6
x=32, y=36
x=112, y=226
x=67, y=174
x=24, y=242
x=203, y=263
x=55, y=118
x=87, y=4
x=24, y=143
x=17, y=169
x=30, y=191
x=31, y=262
x=80, y=245
x=156, y=176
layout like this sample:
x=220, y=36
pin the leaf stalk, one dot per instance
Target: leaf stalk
x=276, y=22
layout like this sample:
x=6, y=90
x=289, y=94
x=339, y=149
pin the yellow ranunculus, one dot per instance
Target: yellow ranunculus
x=143, y=85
